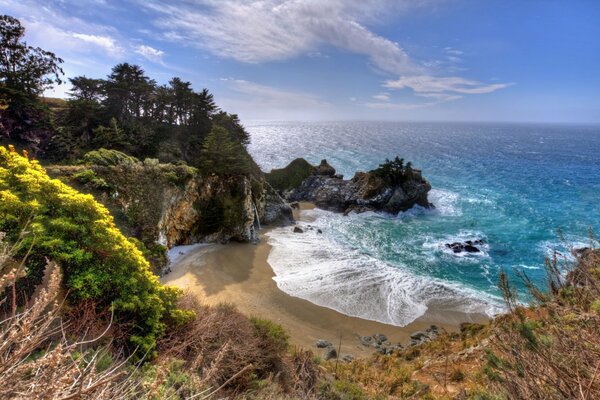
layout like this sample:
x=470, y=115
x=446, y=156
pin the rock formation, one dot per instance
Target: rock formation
x=366, y=191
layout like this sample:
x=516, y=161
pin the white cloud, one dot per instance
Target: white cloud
x=269, y=30
x=105, y=42
x=426, y=85
x=453, y=51
x=256, y=31
x=386, y=105
x=150, y=53
x=382, y=97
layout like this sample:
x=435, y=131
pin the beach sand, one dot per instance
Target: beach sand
x=238, y=273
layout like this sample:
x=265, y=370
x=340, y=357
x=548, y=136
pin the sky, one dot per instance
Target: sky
x=413, y=60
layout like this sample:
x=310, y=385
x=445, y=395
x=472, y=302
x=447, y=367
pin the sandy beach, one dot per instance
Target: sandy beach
x=239, y=273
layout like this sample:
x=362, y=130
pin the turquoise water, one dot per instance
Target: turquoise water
x=516, y=186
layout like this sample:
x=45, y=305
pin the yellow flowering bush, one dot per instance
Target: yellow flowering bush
x=98, y=261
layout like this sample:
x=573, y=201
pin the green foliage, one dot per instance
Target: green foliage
x=89, y=177
x=224, y=156
x=98, y=262
x=104, y=157
x=341, y=390
x=271, y=331
x=24, y=68
x=394, y=172
x=111, y=136
x=596, y=306
x=291, y=176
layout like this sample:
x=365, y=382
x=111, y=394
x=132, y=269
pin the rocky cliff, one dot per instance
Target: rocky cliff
x=174, y=204
x=366, y=191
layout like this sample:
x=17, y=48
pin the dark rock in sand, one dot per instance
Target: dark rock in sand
x=380, y=338
x=366, y=340
x=329, y=353
x=348, y=358
x=322, y=343
x=297, y=229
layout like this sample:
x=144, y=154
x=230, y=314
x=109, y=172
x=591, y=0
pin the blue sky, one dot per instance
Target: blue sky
x=465, y=60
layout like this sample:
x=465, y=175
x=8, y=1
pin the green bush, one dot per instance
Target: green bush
x=271, y=331
x=89, y=177
x=107, y=158
x=98, y=262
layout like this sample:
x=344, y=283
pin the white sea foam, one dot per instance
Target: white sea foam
x=445, y=202
x=319, y=269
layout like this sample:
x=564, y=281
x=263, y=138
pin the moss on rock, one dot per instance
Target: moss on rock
x=291, y=176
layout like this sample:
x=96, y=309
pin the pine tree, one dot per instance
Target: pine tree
x=222, y=155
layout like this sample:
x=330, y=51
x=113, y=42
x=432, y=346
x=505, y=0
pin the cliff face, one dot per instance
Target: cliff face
x=175, y=205
x=366, y=191
x=213, y=209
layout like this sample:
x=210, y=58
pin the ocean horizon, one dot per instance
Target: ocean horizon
x=528, y=190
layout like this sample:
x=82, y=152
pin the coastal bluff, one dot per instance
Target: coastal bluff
x=392, y=187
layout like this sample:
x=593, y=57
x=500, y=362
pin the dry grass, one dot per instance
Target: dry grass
x=228, y=352
x=37, y=362
x=551, y=351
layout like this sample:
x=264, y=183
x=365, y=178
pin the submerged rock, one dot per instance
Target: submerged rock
x=297, y=229
x=469, y=246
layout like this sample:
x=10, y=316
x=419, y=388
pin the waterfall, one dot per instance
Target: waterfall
x=256, y=215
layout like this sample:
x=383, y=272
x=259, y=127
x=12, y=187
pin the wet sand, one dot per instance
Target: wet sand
x=238, y=273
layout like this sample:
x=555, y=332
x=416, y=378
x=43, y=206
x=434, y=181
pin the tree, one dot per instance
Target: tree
x=222, y=155
x=128, y=92
x=394, y=171
x=22, y=67
x=89, y=89
x=232, y=123
x=110, y=137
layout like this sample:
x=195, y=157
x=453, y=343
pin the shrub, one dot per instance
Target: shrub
x=271, y=332
x=394, y=172
x=99, y=263
x=224, y=348
x=106, y=158
x=89, y=177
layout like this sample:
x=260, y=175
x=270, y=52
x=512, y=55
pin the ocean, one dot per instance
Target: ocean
x=528, y=190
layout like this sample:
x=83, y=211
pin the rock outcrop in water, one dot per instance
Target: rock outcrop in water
x=392, y=190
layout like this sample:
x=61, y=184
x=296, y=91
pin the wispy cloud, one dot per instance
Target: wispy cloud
x=427, y=85
x=105, y=42
x=150, y=53
x=270, y=30
x=382, y=97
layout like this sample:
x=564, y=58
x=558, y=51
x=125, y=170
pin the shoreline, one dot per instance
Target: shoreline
x=238, y=273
